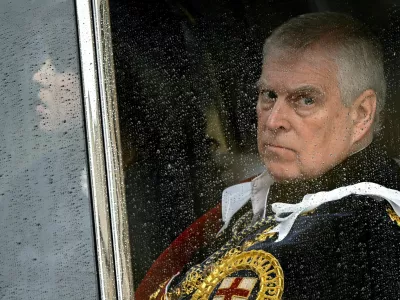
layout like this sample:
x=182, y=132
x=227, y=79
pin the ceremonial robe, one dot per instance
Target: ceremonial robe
x=348, y=248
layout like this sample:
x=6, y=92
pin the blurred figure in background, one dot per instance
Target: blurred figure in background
x=46, y=241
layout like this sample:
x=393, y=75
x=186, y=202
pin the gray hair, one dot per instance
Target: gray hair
x=357, y=52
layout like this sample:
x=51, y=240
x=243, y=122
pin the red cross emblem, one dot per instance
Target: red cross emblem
x=235, y=288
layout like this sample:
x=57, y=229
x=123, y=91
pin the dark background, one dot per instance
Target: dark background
x=185, y=75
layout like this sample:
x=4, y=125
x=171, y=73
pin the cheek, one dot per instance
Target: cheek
x=316, y=130
x=324, y=143
x=258, y=112
x=262, y=118
x=336, y=130
x=312, y=136
x=310, y=132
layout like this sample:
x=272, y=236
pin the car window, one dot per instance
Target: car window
x=186, y=74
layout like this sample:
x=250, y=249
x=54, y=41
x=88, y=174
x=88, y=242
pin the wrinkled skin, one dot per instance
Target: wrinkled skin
x=304, y=129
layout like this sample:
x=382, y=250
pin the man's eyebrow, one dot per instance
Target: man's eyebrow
x=307, y=89
x=260, y=84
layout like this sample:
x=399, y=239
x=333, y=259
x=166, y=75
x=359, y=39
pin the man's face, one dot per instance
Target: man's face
x=59, y=94
x=303, y=127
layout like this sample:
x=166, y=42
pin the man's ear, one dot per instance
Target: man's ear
x=363, y=114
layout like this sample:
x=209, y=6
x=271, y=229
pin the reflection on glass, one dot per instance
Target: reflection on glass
x=185, y=76
x=46, y=240
x=60, y=106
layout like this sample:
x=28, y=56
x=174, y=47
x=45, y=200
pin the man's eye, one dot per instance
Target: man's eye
x=269, y=95
x=307, y=101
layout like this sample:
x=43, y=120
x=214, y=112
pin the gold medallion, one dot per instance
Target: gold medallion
x=264, y=265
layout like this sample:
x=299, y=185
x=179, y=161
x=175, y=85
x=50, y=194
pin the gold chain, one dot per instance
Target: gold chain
x=393, y=216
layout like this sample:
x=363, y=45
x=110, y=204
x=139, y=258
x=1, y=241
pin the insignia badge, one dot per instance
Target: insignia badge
x=254, y=274
x=235, y=288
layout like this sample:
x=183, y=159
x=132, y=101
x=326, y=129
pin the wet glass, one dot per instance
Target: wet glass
x=186, y=74
x=46, y=241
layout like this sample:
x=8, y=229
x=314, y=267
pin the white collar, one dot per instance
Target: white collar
x=236, y=196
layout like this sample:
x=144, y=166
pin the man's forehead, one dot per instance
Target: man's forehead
x=309, y=68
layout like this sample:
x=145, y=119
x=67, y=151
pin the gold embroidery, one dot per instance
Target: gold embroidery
x=192, y=282
x=248, y=244
x=157, y=292
x=309, y=212
x=264, y=264
x=393, y=216
x=261, y=237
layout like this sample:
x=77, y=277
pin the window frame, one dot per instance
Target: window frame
x=104, y=150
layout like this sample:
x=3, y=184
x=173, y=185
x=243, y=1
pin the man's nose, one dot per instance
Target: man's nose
x=278, y=117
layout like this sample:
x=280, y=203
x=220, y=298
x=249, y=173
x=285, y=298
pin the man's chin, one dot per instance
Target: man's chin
x=282, y=173
x=280, y=156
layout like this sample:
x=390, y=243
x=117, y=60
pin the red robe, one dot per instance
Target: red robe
x=180, y=252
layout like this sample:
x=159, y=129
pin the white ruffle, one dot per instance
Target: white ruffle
x=312, y=201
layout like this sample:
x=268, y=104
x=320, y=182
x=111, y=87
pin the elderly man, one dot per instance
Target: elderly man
x=322, y=221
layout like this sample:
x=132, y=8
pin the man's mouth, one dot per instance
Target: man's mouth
x=273, y=145
x=277, y=149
